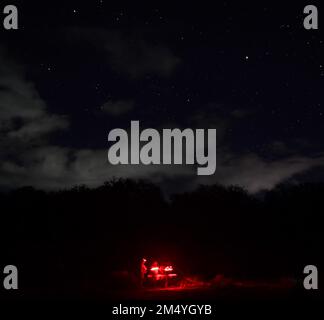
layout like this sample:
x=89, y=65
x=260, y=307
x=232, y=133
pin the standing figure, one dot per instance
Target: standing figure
x=155, y=270
x=143, y=271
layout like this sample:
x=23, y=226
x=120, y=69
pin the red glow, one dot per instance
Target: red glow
x=168, y=268
x=155, y=269
x=161, y=273
x=160, y=276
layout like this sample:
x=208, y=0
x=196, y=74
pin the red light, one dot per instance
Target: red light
x=172, y=275
x=155, y=269
x=168, y=268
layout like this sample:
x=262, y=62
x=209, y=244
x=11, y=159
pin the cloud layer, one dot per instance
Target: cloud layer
x=23, y=113
x=27, y=157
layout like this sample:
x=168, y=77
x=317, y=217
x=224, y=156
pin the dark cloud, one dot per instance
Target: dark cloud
x=129, y=54
x=23, y=113
x=241, y=113
x=138, y=58
x=279, y=147
x=117, y=107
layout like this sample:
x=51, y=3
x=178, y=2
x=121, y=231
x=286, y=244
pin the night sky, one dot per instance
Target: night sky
x=73, y=72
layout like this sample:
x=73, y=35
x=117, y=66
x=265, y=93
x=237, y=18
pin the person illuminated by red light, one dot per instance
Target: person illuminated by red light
x=155, y=269
x=143, y=271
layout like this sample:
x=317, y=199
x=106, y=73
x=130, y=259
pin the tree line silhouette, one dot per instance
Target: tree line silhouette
x=73, y=240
